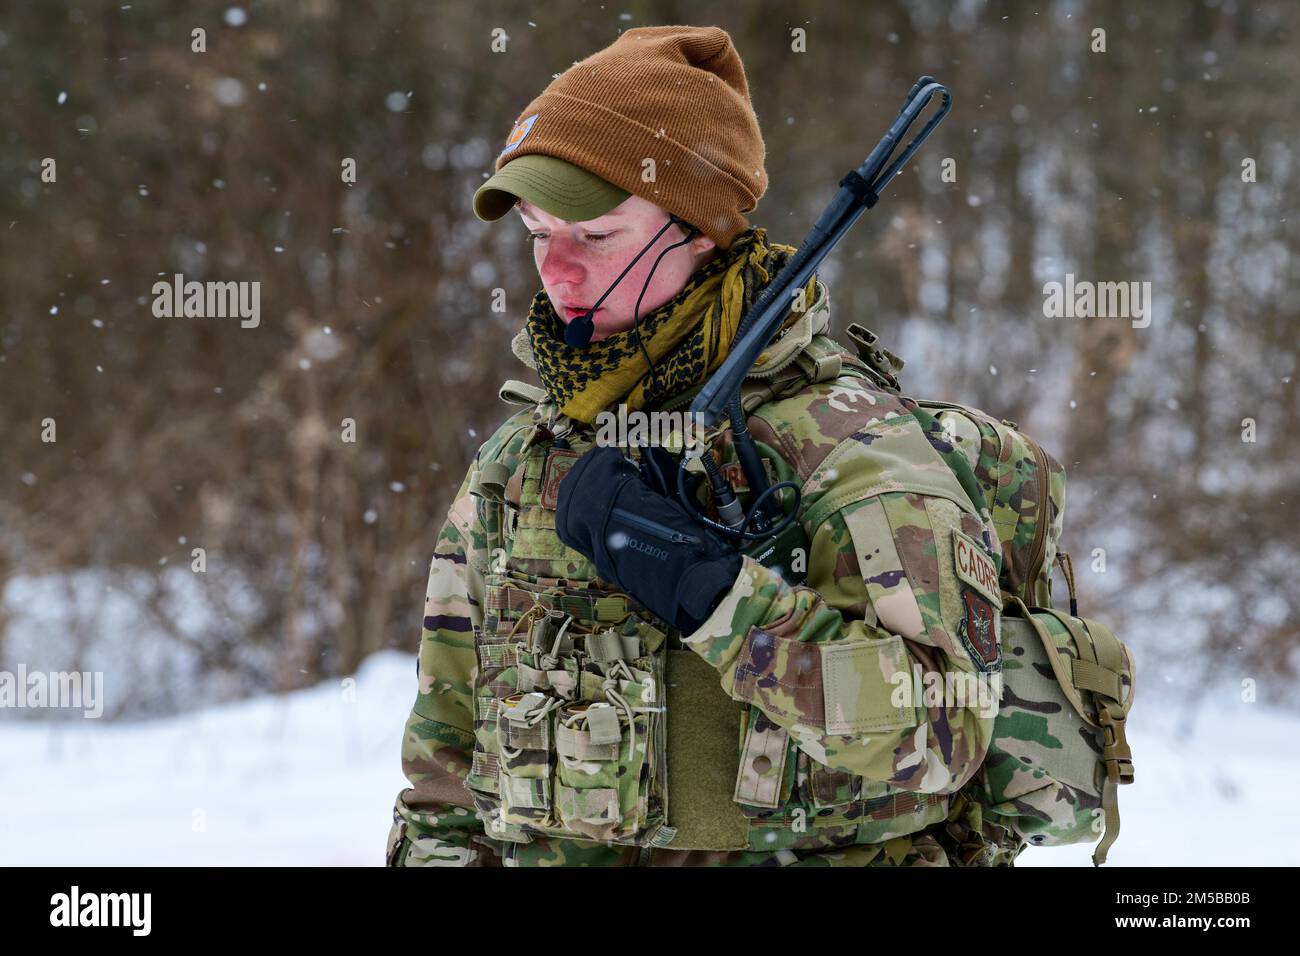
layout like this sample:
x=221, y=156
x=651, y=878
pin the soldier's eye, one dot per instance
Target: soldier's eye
x=534, y=237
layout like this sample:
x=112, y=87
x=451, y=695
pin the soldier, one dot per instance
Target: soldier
x=627, y=699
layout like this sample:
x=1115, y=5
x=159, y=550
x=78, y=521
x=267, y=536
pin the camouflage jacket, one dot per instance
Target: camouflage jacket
x=901, y=582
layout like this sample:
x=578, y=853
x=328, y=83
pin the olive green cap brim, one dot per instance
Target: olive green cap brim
x=560, y=188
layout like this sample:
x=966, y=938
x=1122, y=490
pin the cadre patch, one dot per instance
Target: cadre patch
x=558, y=463
x=975, y=567
x=978, y=631
x=517, y=134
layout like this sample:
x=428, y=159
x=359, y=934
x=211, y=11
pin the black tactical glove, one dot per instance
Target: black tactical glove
x=641, y=541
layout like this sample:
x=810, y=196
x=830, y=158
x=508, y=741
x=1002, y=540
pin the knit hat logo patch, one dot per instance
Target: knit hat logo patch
x=522, y=129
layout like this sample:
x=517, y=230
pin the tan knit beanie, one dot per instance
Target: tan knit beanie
x=664, y=113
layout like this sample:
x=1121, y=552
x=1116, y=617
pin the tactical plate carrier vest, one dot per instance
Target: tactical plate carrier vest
x=593, y=722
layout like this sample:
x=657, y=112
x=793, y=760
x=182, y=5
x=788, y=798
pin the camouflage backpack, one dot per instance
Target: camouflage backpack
x=1059, y=749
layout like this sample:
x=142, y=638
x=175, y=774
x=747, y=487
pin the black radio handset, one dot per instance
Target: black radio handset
x=721, y=394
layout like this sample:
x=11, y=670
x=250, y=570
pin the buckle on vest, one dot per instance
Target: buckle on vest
x=884, y=364
x=1115, y=751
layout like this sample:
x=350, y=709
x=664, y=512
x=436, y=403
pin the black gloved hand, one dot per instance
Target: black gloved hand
x=641, y=541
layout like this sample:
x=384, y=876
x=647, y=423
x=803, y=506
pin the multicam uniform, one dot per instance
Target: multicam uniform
x=776, y=733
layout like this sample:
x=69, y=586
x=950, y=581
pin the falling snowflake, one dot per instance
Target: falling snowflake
x=228, y=91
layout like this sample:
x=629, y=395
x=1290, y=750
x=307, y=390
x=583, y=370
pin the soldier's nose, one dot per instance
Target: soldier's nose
x=561, y=264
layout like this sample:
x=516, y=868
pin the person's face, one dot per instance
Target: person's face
x=577, y=261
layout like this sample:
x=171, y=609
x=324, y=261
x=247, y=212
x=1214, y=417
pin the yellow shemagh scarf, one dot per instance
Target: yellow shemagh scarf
x=687, y=337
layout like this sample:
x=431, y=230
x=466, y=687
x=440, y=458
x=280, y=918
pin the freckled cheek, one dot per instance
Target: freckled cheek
x=655, y=295
x=600, y=278
x=630, y=288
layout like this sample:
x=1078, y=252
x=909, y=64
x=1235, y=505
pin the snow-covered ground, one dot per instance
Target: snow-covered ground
x=304, y=778
x=310, y=777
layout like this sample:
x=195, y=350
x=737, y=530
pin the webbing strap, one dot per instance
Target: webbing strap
x=521, y=393
x=490, y=480
x=1101, y=658
x=588, y=606
x=610, y=609
x=487, y=708
x=819, y=364
x=605, y=646
x=1099, y=680
x=1110, y=654
x=575, y=744
x=1119, y=770
x=1082, y=640
x=484, y=769
x=497, y=655
x=1110, y=806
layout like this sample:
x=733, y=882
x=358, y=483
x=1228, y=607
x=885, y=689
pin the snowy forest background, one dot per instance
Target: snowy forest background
x=1123, y=165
